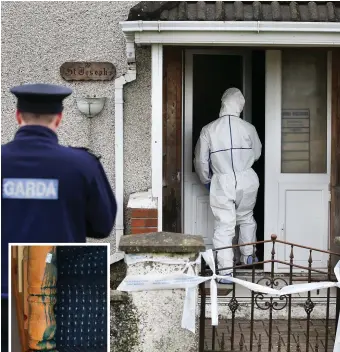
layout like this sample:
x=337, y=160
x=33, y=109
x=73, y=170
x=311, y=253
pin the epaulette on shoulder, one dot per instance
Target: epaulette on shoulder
x=89, y=151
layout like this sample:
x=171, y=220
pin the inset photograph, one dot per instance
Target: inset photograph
x=59, y=297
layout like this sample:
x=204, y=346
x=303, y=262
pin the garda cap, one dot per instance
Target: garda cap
x=41, y=98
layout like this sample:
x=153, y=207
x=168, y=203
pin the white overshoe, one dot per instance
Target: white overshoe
x=225, y=281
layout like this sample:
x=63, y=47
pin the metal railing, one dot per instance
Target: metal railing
x=315, y=339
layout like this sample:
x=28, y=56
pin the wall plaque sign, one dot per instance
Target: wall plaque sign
x=87, y=71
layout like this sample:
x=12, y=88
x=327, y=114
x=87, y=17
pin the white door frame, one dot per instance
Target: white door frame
x=273, y=124
x=157, y=128
x=187, y=118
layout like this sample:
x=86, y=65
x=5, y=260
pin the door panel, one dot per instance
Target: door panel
x=172, y=139
x=304, y=221
x=298, y=165
x=202, y=215
x=208, y=73
x=304, y=112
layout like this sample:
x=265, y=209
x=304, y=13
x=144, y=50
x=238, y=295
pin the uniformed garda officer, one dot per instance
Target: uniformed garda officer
x=50, y=193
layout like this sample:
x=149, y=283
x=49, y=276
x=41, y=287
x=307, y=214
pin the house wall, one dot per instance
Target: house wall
x=38, y=37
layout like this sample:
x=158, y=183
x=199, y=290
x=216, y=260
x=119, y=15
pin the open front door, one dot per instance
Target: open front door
x=208, y=73
x=297, y=165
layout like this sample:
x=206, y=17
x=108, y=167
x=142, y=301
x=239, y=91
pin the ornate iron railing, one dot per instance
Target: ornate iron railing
x=308, y=337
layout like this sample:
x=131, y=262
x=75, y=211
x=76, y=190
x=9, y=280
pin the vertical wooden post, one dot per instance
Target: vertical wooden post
x=20, y=261
x=14, y=252
x=172, y=138
x=335, y=147
x=17, y=297
x=25, y=287
x=42, y=279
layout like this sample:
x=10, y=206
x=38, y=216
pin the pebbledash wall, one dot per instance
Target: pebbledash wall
x=37, y=38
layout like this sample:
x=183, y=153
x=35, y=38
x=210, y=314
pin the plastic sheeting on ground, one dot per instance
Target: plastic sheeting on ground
x=190, y=280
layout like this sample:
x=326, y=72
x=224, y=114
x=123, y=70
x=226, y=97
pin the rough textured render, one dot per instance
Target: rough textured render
x=157, y=315
x=153, y=318
x=137, y=127
x=38, y=37
x=124, y=334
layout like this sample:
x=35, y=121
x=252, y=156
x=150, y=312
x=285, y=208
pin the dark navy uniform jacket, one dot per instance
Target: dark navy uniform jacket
x=51, y=193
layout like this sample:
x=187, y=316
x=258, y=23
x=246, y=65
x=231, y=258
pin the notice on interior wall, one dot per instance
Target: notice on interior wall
x=295, y=143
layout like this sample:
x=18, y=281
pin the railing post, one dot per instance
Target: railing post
x=273, y=238
x=252, y=301
x=309, y=305
x=233, y=305
x=337, y=309
x=291, y=261
x=328, y=301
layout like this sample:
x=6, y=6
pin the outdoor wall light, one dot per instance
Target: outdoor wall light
x=90, y=107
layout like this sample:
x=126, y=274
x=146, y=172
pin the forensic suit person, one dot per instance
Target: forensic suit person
x=224, y=155
x=50, y=193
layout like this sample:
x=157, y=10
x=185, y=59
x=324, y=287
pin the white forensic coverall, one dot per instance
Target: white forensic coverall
x=224, y=156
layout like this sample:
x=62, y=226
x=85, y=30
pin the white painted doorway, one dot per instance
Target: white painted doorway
x=197, y=217
x=297, y=163
x=297, y=157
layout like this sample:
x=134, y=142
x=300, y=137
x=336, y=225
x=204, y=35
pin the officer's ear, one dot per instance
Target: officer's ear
x=19, y=118
x=58, y=119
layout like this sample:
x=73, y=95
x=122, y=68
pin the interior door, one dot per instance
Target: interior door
x=297, y=168
x=208, y=73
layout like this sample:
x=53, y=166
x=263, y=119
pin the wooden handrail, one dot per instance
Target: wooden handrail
x=18, y=299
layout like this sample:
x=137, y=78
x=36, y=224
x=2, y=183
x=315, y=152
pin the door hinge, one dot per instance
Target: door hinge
x=329, y=196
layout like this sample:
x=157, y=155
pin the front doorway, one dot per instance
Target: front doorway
x=208, y=73
x=287, y=100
